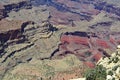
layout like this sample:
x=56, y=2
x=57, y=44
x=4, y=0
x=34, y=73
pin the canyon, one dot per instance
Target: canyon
x=38, y=34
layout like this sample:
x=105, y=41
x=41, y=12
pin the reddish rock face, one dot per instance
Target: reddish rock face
x=90, y=64
x=75, y=39
x=87, y=48
x=97, y=56
x=102, y=43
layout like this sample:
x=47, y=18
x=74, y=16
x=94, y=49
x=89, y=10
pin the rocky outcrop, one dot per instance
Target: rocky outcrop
x=26, y=31
x=10, y=33
x=30, y=30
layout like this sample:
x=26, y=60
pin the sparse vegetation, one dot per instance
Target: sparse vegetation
x=98, y=73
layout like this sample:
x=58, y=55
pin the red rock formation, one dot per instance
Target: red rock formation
x=87, y=48
x=75, y=39
x=97, y=56
x=112, y=40
x=102, y=43
x=90, y=64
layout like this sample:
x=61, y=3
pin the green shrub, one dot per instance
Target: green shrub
x=98, y=73
x=110, y=73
